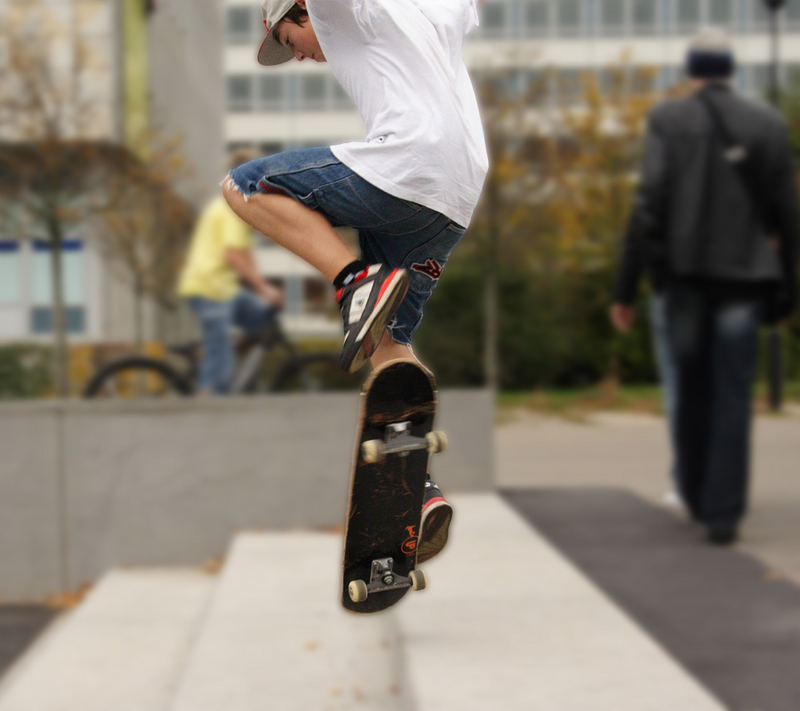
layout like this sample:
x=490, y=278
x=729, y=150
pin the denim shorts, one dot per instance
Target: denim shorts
x=392, y=231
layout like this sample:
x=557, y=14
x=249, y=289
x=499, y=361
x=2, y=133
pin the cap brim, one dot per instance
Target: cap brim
x=272, y=52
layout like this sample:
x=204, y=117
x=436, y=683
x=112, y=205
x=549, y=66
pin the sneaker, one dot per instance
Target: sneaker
x=435, y=524
x=367, y=304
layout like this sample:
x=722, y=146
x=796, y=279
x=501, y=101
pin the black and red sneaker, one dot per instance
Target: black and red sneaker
x=367, y=304
x=435, y=524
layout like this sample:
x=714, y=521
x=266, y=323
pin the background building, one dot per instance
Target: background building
x=152, y=67
x=188, y=69
x=300, y=104
x=519, y=41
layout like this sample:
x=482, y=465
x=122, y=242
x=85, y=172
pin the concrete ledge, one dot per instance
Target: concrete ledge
x=276, y=630
x=506, y=623
x=123, y=648
x=88, y=486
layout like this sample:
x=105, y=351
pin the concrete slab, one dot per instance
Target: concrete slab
x=121, y=649
x=277, y=637
x=488, y=633
x=32, y=520
x=88, y=486
x=508, y=623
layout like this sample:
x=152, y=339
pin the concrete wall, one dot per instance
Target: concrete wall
x=87, y=486
x=187, y=90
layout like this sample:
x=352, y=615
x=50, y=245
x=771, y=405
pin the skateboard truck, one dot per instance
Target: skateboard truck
x=398, y=440
x=382, y=577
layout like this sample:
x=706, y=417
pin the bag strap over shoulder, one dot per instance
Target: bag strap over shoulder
x=736, y=154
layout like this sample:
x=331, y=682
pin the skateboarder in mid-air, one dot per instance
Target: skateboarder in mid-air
x=409, y=188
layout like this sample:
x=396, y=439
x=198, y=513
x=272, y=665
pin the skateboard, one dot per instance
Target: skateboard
x=395, y=439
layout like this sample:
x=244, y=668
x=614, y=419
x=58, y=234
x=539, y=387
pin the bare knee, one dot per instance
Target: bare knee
x=233, y=196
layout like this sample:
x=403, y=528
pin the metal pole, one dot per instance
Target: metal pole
x=774, y=82
x=775, y=361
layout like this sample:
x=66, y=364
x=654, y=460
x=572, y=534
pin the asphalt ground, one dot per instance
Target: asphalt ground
x=732, y=623
x=595, y=488
x=19, y=626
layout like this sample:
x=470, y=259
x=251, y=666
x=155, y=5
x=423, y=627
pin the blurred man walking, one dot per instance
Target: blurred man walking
x=716, y=222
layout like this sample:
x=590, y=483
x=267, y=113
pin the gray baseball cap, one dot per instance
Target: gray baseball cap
x=271, y=51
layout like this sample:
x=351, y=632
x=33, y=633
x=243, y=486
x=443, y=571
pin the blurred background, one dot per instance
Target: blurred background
x=116, y=117
x=117, y=120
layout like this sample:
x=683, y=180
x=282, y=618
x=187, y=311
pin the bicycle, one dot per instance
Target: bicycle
x=144, y=376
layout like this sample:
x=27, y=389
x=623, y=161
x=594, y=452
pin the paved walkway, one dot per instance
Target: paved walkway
x=506, y=623
x=631, y=452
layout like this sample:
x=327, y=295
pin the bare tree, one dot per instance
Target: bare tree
x=49, y=165
x=146, y=226
x=59, y=174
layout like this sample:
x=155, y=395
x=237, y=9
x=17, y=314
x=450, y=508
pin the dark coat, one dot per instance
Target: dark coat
x=694, y=217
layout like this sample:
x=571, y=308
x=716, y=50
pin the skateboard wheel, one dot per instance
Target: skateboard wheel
x=372, y=451
x=357, y=590
x=437, y=441
x=419, y=581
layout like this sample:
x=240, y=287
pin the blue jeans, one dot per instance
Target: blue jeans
x=713, y=345
x=216, y=318
x=666, y=370
x=392, y=231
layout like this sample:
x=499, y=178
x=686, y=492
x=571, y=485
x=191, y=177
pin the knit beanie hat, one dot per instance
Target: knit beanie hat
x=710, y=55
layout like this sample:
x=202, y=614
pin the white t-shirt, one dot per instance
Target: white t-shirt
x=401, y=63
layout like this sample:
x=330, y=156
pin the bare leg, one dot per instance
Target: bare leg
x=389, y=349
x=294, y=226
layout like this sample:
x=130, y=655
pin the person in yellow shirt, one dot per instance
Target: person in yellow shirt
x=219, y=258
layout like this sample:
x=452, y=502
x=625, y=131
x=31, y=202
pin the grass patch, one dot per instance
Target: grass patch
x=575, y=403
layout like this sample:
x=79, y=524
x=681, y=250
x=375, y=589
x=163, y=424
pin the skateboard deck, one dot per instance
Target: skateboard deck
x=395, y=439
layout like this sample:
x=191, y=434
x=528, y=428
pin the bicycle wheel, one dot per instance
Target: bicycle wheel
x=137, y=377
x=317, y=372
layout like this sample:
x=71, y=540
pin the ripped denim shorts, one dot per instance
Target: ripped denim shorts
x=392, y=231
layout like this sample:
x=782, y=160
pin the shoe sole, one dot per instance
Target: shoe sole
x=435, y=527
x=388, y=302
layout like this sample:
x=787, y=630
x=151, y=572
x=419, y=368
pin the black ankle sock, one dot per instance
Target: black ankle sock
x=346, y=275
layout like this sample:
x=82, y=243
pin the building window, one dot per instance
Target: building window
x=742, y=80
x=537, y=18
x=271, y=92
x=241, y=23
x=270, y=148
x=688, y=17
x=722, y=12
x=240, y=92
x=793, y=13
x=645, y=17
x=612, y=17
x=42, y=319
x=312, y=92
x=494, y=18
x=759, y=15
x=570, y=18
x=10, y=265
x=72, y=264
